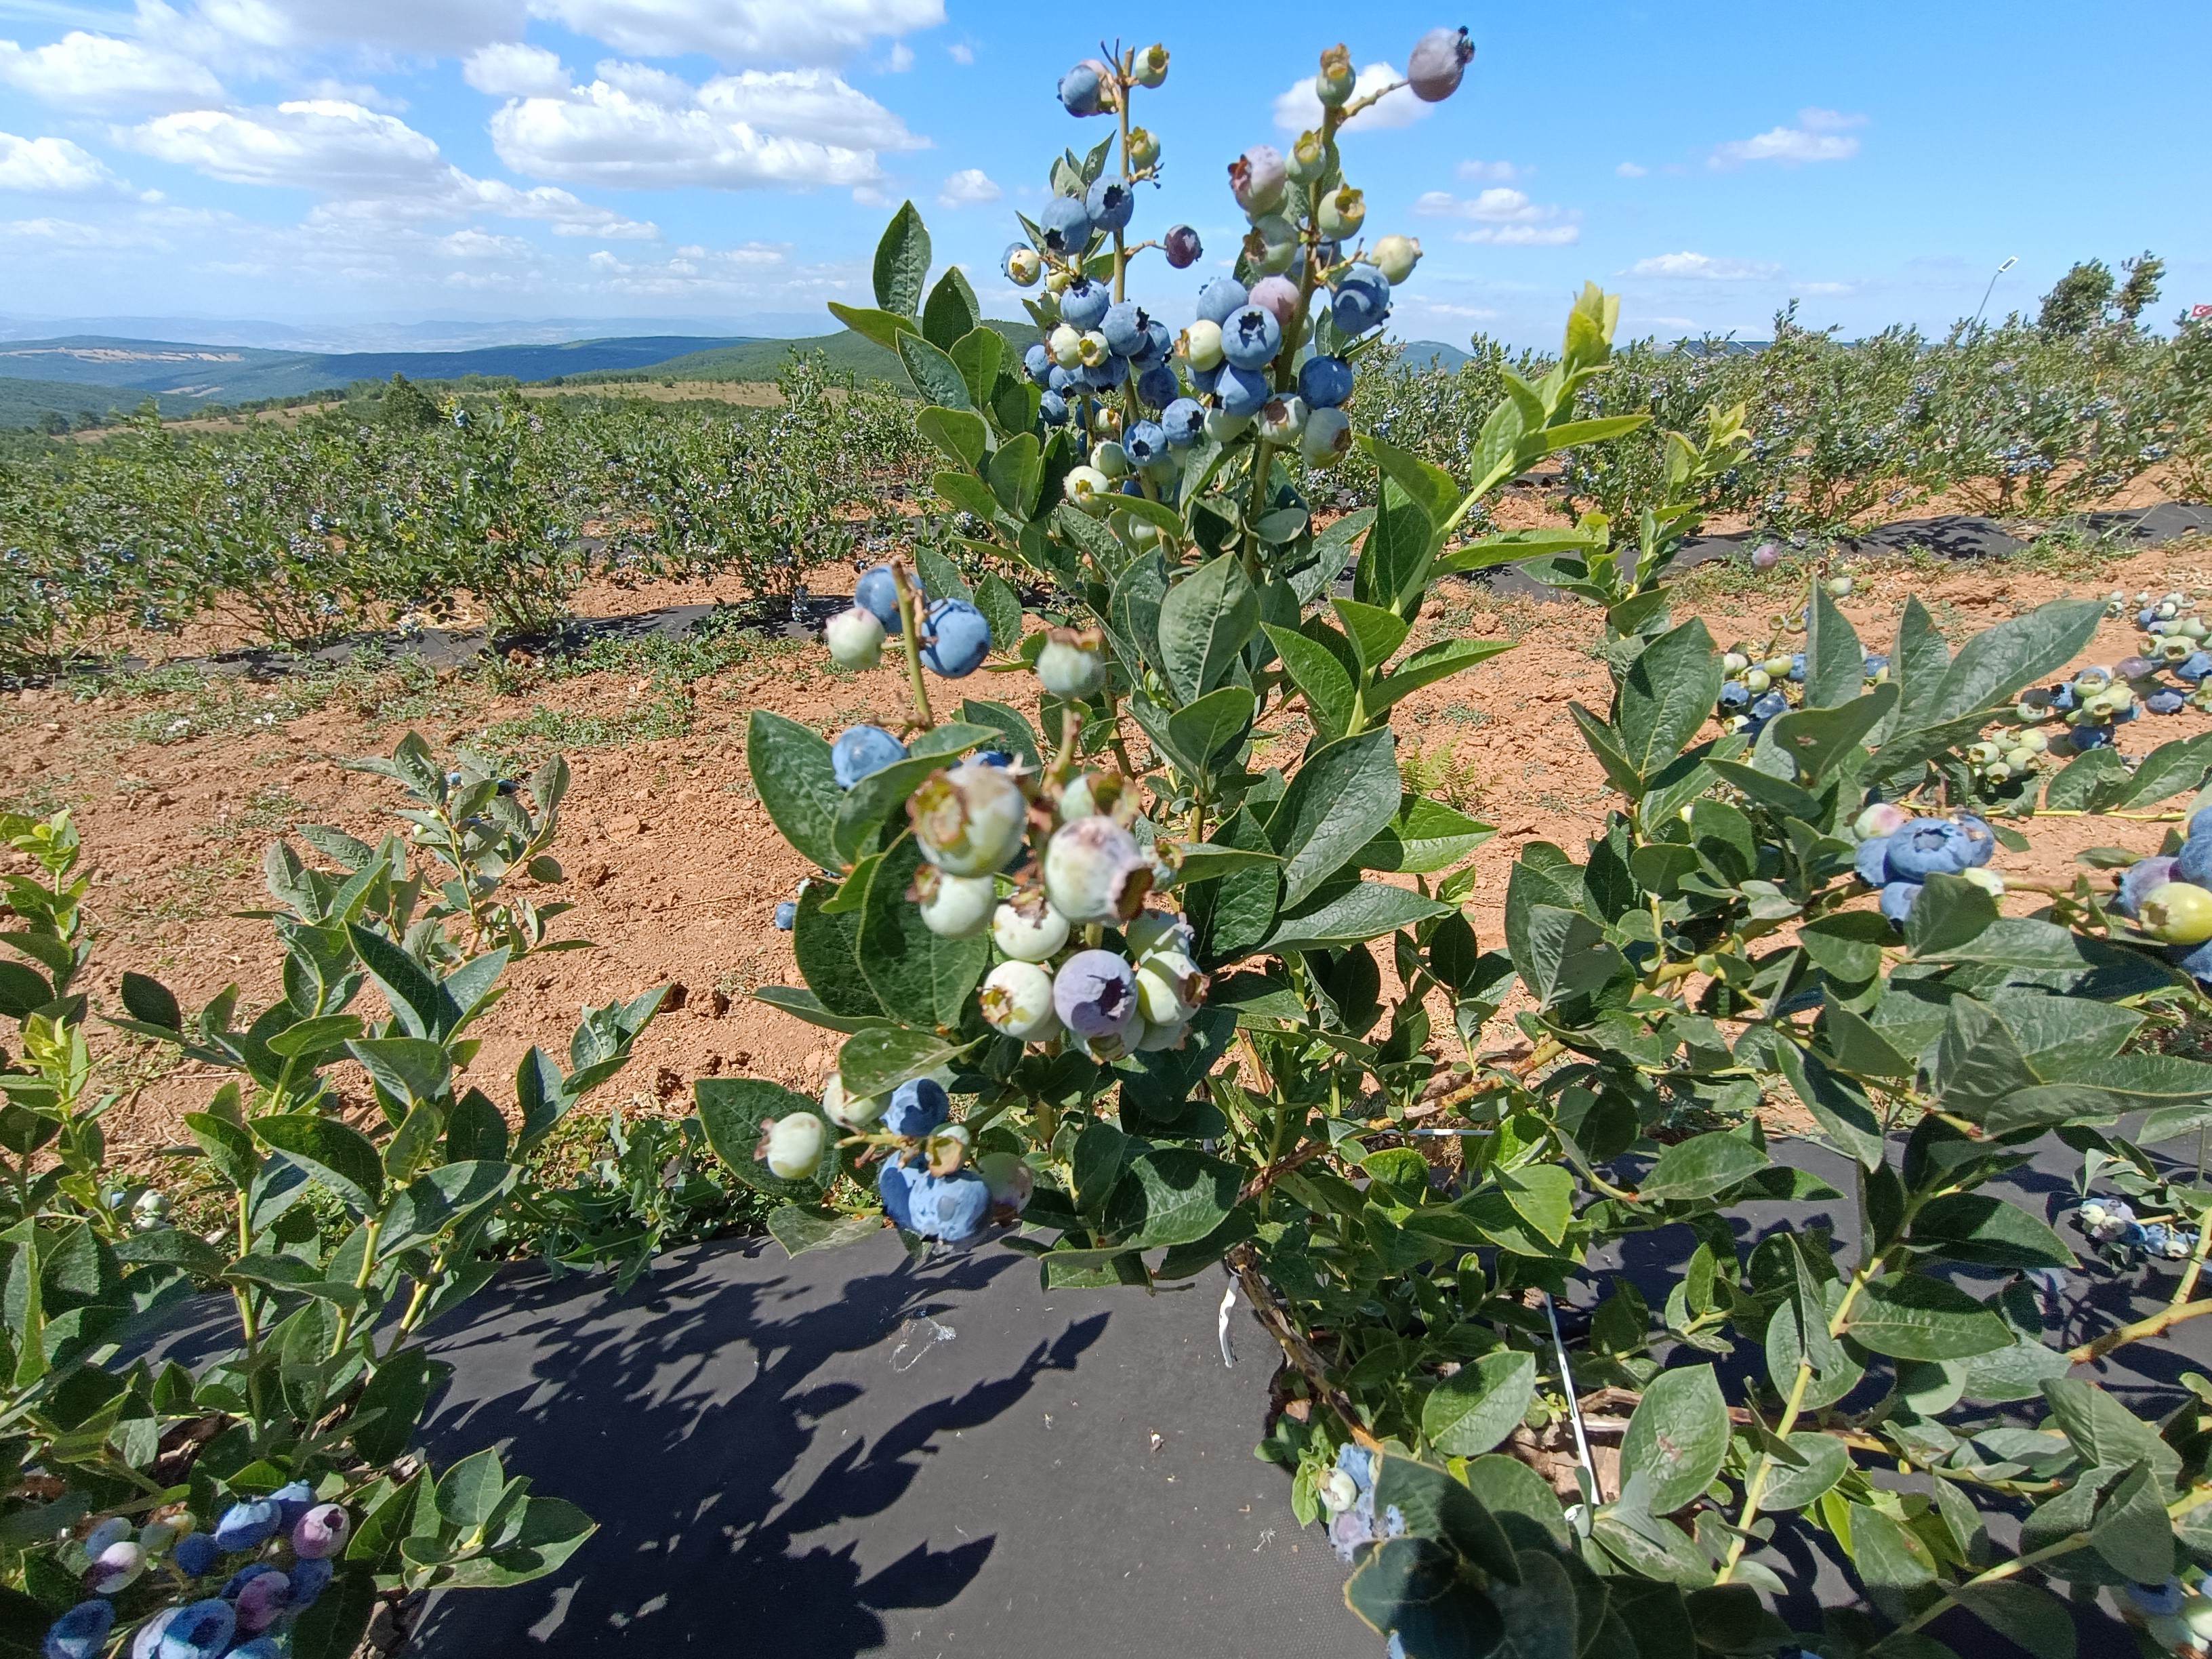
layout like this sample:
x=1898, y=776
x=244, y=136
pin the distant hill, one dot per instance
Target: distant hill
x=26, y=403
x=1431, y=353
x=232, y=374
x=763, y=359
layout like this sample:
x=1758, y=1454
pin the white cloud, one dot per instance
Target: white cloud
x=475, y=244
x=512, y=70
x=970, y=187
x=1630, y=170
x=1819, y=137
x=441, y=26
x=960, y=53
x=100, y=73
x=814, y=31
x=1489, y=172
x=639, y=128
x=1700, y=267
x=902, y=59
x=697, y=270
x=1474, y=313
x=1503, y=218
x=54, y=167
x=1820, y=290
x=1298, y=110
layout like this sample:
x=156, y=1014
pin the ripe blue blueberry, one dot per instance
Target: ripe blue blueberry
x=953, y=1207
x=2196, y=666
x=1871, y=861
x=959, y=638
x=2144, y=876
x=195, y=1553
x=1106, y=374
x=1251, y=337
x=246, y=1526
x=1146, y=443
x=1110, y=204
x=1361, y=300
x=310, y=1576
x=1095, y=994
x=2091, y=736
x=1735, y=694
x=1183, y=246
x=1123, y=324
x=1085, y=304
x=1897, y=899
x=1220, y=298
x=1930, y=847
x=1157, y=387
x=1325, y=382
x=200, y=1631
x=293, y=1500
x=1066, y=226
x=1052, y=408
x=916, y=1107
x=1157, y=345
x=860, y=751
x=2135, y=668
x=82, y=1631
x=1768, y=707
x=1184, y=422
x=1038, y=361
x=2196, y=960
x=895, y=1184
x=1797, y=669
x=877, y=593
x=1083, y=90
x=1205, y=380
x=1241, y=391
x=1876, y=662
x=2194, y=865
x=1981, y=839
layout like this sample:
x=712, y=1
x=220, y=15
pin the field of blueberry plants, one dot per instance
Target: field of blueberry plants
x=1161, y=948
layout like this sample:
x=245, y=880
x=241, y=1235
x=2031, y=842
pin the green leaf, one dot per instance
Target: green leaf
x=344, y=1160
x=2026, y=1614
x=963, y=435
x=827, y=944
x=1835, y=661
x=1346, y=793
x=1506, y=1485
x=469, y=1491
x=334, y=1624
x=1350, y=915
x=1815, y=739
x=409, y=1069
x=876, y=1060
x=731, y=1110
x=1470, y=1410
x=902, y=262
x=228, y=1145
x=1985, y=1231
x=1911, y=1316
x=1209, y=727
x=150, y=1002
x=1434, y=1505
x=1667, y=696
x=1417, y=1589
x=965, y=493
x=1012, y=732
x=1170, y=1195
x=2132, y=1530
x=1677, y=1436
x=1993, y=665
x=1394, y=561
x=804, y=1005
x=921, y=978
x=1427, y=666
x=1317, y=671
x=551, y=1530
x=951, y=310
x=2105, y=1433
x=800, y=1230
x=791, y=773
x=976, y=357
x=935, y=375
x=440, y=1198
x=1838, y=1105
x=1950, y=912
x=1015, y=472
x=1376, y=634
x=883, y=327
x=1425, y=836
x=1791, y=1486
x=1543, y=1194
x=1204, y=622
x=1431, y=487
x=1700, y=1167
x=1888, y=1553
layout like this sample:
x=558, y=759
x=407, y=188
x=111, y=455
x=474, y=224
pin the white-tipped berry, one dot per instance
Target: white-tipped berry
x=1073, y=663
x=1169, y=988
x=1396, y=257
x=792, y=1145
x=1093, y=871
x=855, y=638
x=1029, y=930
x=969, y=818
x=851, y=1113
x=954, y=907
x=1017, y=999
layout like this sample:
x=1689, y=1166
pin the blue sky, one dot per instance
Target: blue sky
x=733, y=160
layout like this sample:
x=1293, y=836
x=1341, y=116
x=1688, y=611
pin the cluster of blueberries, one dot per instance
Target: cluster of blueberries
x=1347, y=1494
x=2169, y=897
x=2112, y=1221
x=1898, y=851
x=2175, y=1616
x=955, y=635
x=247, y=1617
x=1752, y=688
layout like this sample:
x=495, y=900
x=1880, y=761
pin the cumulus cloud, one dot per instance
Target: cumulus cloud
x=1630, y=170
x=1503, y=218
x=99, y=73
x=512, y=70
x=1489, y=172
x=1700, y=267
x=442, y=26
x=641, y=128
x=54, y=167
x=809, y=31
x=1820, y=135
x=960, y=53
x=729, y=271
x=1298, y=110
x=970, y=187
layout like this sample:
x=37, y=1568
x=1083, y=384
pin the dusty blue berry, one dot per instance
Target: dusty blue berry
x=1085, y=304
x=787, y=916
x=1157, y=346
x=246, y=1526
x=2196, y=666
x=1325, y=382
x=1106, y=376
x=1361, y=300
x=953, y=1207
x=877, y=593
x=1123, y=324
x=1930, y=847
x=195, y=1553
x=1876, y=662
x=2196, y=960
x=1981, y=839
x=916, y=1107
x=1083, y=90
x=1110, y=202
x=292, y=1501
x=310, y=1578
x=1038, y=361
x=1066, y=226
x=895, y=1184
x=1769, y=706
x=1797, y=669
x=1158, y=387
x=2194, y=865
x=1220, y=298
x=1241, y=391
x=1145, y=442
x=959, y=639
x=1251, y=337
x=2091, y=736
x=1871, y=861
x=82, y=1631
x=200, y=1631
x=1735, y=694
x=1095, y=994
x=858, y=752
x=1897, y=900
x=1184, y=422
x=1052, y=408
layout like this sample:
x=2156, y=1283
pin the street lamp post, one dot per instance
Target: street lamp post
x=1992, y=288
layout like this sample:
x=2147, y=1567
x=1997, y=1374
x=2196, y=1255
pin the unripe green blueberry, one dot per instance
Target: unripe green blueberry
x=955, y=907
x=1337, y=1490
x=2179, y=912
x=1017, y=1000
x=1396, y=256
x=1735, y=662
x=1065, y=345
x=792, y=1145
x=1327, y=439
x=1757, y=680
x=1150, y=1038
x=1200, y=345
x=1283, y=420
x=1335, y=85
x=1777, y=667
x=1151, y=931
x=1307, y=160
x=1029, y=930
x=1341, y=212
x=1271, y=258
x=1092, y=349
x=1988, y=880
x=1089, y=488
x=1169, y=988
x=1150, y=66
x=851, y=1113
x=1073, y=663
x=1144, y=148
x=2034, y=742
x=1839, y=587
x=856, y=639
x=1093, y=871
x=1023, y=265
x=970, y=819
x=1110, y=458
x=1221, y=425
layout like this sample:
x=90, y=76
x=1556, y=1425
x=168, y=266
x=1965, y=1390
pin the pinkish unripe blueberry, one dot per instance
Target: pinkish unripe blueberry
x=1277, y=295
x=1882, y=818
x=970, y=818
x=1765, y=556
x=1029, y=930
x=856, y=639
x=1011, y=1183
x=260, y=1603
x=1439, y=60
x=1396, y=257
x=116, y=1567
x=321, y=1532
x=1095, y=994
x=1093, y=871
x=1257, y=178
x=1017, y=999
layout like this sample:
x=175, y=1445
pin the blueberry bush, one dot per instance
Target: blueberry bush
x=1177, y=978
x=209, y=1435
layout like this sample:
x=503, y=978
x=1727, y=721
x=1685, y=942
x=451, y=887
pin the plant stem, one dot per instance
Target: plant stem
x=2164, y=1320
x=910, y=637
x=1244, y=1263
